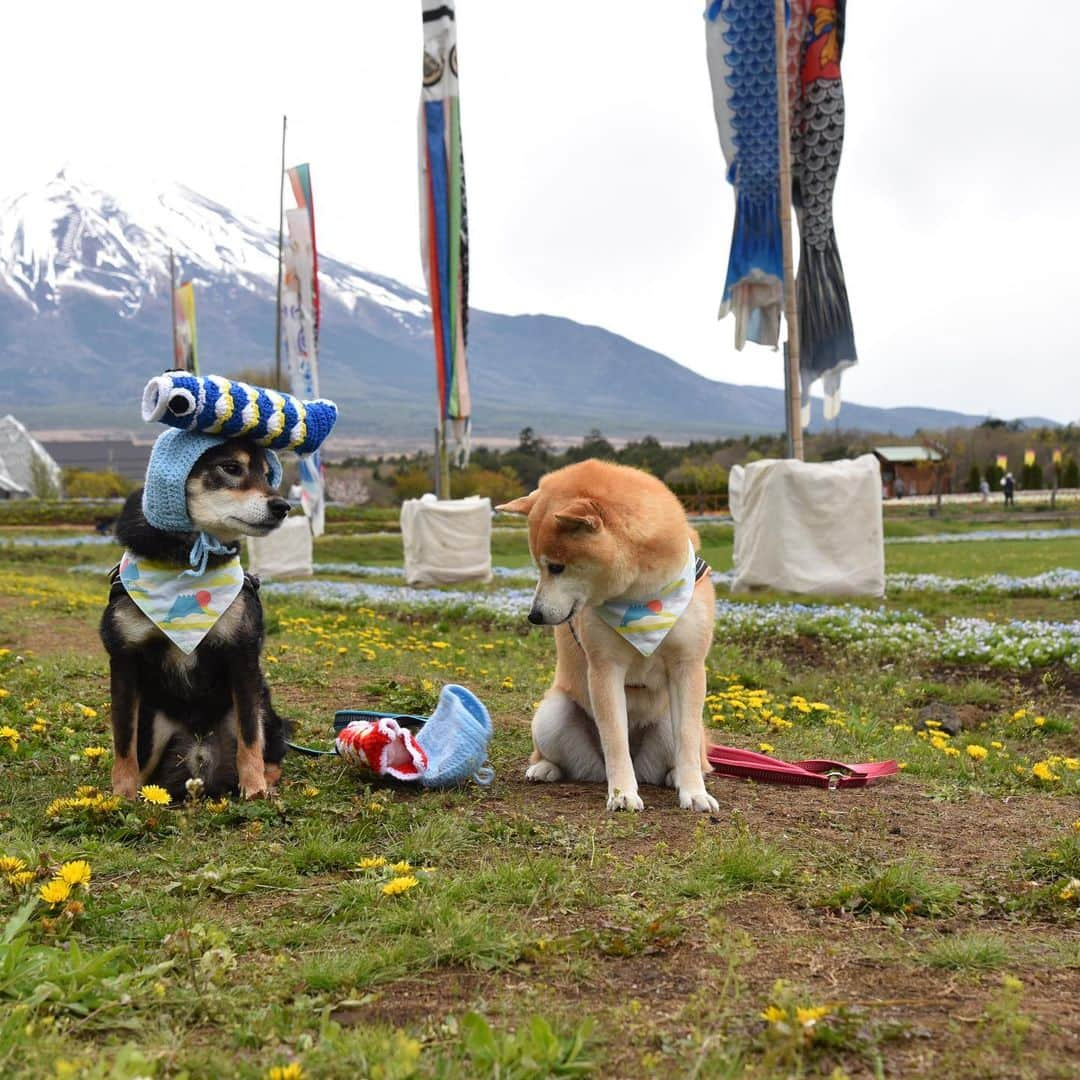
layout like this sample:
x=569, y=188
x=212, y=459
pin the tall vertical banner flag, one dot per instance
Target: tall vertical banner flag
x=1029, y=457
x=299, y=327
x=1002, y=462
x=185, y=341
x=444, y=232
x=300, y=181
x=741, y=52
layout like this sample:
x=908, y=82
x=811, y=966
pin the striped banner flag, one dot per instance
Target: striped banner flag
x=300, y=181
x=1029, y=457
x=444, y=233
x=1003, y=462
x=185, y=341
x=300, y=331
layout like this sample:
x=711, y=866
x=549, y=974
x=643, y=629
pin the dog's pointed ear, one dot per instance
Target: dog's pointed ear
x=580, y=514
x=519, y=506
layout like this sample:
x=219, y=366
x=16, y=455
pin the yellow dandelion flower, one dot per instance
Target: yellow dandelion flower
x=311, y=791
x=998, y=745
x=11, y=736
x=4, y=693
x=293, y=1071
x=901, y=727
x=58, y=806
x=951, y=751
x=21, y=878
x=1071, y=763
x=87, y=791
x=1076, y=826
x=398, y=885
x=440, y=644
x=977, y=752
x=1019, y=714
x=1039, y=721
x=216, y=807
x=55, y=892
x=403, y=867
x=808, y=1017
x=11, y=865
x=1071, y=890
x=94, y=752
x=156, y=796
x=774, y=1014
x=1041, y=770
x=766, y=748
x=75, y=873
x=371, y=862
x=90, y=714
x=104, y=804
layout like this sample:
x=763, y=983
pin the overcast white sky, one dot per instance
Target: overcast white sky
x=594, y=171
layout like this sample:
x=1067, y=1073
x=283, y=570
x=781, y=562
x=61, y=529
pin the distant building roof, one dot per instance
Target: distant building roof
x=903, y=454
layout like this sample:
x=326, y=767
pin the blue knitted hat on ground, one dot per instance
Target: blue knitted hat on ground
x=164, y=500
x=455, y=739
x=220, y=406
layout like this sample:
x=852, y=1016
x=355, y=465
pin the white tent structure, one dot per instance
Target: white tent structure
x=24, y=463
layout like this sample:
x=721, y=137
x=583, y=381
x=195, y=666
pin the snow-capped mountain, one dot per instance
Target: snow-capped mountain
x=72, y=236
x=85, y=321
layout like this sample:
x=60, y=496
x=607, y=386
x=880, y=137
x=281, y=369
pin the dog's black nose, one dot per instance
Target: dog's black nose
x=278, y=507
x=536, y=617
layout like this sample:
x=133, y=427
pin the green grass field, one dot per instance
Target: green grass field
x=926, y=926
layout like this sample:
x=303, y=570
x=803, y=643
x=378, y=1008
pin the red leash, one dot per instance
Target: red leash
x=731, y=761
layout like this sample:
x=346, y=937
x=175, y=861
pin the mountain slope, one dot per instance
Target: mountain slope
x=85, y=321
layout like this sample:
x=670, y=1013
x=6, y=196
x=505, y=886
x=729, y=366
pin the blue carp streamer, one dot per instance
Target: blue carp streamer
x=741, y=50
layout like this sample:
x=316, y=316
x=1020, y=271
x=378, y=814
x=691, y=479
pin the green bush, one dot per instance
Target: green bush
x=83, y=484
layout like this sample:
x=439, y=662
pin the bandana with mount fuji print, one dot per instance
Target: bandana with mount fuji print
x=183, y=605
x=645, y=622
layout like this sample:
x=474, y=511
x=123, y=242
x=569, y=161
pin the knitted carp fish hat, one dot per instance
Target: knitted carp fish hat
x=218, y=406
x=164, y=500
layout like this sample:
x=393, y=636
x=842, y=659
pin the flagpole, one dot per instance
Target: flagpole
x=791, y=313
x=280, y=253
x=172, y=303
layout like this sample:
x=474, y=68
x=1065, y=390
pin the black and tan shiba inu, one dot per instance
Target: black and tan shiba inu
x=205, y=715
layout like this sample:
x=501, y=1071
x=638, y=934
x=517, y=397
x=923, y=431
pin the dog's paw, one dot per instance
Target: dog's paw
x=546, y=772
x=701, y=801
x=256, y=788
x=624, y=800
x=125, y=780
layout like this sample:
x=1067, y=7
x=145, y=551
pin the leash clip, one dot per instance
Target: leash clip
x=834, y=777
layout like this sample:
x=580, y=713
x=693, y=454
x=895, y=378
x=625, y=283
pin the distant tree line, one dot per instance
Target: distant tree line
x=698, y=471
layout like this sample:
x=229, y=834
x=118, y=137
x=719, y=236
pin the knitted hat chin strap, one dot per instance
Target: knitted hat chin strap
x=205, y=545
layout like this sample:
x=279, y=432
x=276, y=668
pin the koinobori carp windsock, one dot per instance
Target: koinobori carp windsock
x=218, y=406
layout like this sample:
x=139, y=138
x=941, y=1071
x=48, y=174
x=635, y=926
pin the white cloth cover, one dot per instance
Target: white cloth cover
x=808, y=528
x=447, y=540
x=286, y=552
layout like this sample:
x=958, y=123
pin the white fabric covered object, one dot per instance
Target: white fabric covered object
x=446, y=540
x=811, y=528
x=286, y=552
x=26, y=462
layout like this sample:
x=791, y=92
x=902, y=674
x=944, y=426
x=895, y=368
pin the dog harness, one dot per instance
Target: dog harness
x=645, y=622
x=183, y=605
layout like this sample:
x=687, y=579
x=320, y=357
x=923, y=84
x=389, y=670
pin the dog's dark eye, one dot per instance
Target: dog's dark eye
x=556, y=567
x=232, y=468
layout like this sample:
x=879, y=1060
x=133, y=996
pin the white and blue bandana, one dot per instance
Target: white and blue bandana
x=184, y=606
x=645, y=622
